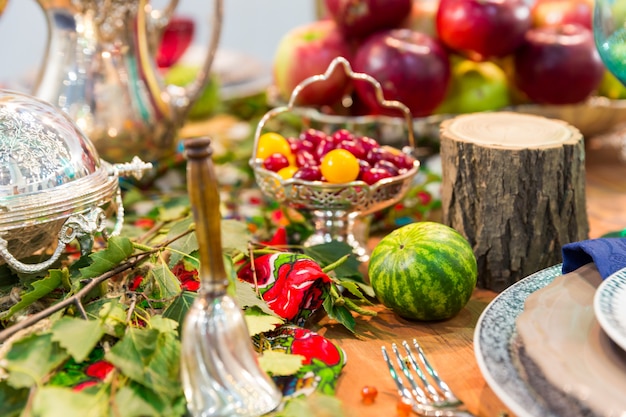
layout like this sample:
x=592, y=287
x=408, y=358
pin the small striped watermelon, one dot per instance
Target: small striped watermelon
x=423, y=271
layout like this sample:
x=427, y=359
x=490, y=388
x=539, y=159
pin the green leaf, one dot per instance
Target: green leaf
x=64, y=276
x=163, y=325
x=167, y=283
x=132, y=195
x=327, y=253
x=177, y=310
x=63, y=402
x=113, y=316
x=231, y=273
x=259, y=322
x=186, y=244
x=235, y=235
x=39, y=289
x=12, y=400
x=30, y=359
x=279, y=363
x=191, y=262
x=76, y=276
x=150, y=358
x=77, y=336
x=171, y=212
x=247, y=297
x=130, y=401
x=355, y=288
x=133, y=352
x=312, y=406
x=118, y=249
x=367, y=289
x=135, y=400
x=339, y=313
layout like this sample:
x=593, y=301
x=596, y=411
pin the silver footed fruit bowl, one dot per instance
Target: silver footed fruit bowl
x=336, y=207
x=53, y=185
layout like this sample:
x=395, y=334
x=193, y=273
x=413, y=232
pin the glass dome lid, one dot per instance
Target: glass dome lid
x=53, y=185
x=48, y=167
x=40, y=147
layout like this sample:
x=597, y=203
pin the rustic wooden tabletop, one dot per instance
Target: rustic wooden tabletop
x=449, y=344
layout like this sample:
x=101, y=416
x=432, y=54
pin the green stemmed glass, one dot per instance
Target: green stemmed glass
x=609, y=30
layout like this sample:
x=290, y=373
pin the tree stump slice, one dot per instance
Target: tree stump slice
x=514, y=185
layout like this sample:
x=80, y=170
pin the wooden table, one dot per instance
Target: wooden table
x=449, y=344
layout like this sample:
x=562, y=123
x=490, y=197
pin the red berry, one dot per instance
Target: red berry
x=373, y=175
x=99, y=369
x=424, y=197
x=369, y=393
x=353, y=147
x=275, y=162
x=301, y=145
x=84, y=384
x=305, y=158
x=389, y=166
x=403, y=161
x=342, y=135
x=144, y=223
x=309, y=173
x=379, y=154
x=323, y=148
x=367, y=143
x=313, y=135
x=404, y=407
x=364, y=166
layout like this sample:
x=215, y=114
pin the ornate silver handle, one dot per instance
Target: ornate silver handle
x=343, y=62
x=77, y=226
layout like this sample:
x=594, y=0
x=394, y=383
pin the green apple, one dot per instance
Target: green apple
x=208, y=101
x=475, y=87
x=618, y=11
x=611, y=87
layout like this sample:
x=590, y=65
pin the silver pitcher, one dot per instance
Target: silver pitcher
x=100, y=69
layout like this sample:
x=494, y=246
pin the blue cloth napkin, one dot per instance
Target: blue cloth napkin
x=609, y=255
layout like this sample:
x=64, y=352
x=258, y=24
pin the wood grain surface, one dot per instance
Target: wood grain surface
x=449, y=344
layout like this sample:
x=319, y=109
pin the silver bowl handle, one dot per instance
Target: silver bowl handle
x=339, y=61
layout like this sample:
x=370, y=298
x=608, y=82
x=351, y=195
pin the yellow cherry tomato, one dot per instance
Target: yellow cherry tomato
x=287, y=172
x=339, y=166
x=272, y=142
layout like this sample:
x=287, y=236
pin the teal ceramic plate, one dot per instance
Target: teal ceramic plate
x=609, y=305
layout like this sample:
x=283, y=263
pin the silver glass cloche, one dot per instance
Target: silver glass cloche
x=53, y=185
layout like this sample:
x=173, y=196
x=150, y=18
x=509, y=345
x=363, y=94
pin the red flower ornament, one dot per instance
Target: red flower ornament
x=293, y=285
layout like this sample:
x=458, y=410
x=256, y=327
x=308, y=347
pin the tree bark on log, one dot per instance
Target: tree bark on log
x=514, y=185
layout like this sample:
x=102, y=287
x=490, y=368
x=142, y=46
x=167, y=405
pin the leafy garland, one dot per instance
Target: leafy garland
x=108, y=324
x=122, y=306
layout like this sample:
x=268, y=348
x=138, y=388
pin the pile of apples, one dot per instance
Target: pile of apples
x=444, y=56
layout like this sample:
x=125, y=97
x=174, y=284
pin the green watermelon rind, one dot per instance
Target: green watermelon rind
x=423, y=271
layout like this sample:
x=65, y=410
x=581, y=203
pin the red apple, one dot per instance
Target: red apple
x=482, y=29
x=411, y=67
x=558, y=65
x=359, y=18
x=561, y=12
x=308, y=50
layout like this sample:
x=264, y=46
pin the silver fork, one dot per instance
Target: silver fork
x=427, y=399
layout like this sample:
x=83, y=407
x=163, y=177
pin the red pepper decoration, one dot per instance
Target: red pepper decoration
x=293, y=285
x=279, y=238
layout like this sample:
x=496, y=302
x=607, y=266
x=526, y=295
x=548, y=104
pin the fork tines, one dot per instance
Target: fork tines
x=430, y=393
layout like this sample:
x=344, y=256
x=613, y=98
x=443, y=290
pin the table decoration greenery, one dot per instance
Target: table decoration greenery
x=98, y=335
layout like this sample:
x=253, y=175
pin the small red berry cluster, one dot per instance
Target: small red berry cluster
x=311, y=153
